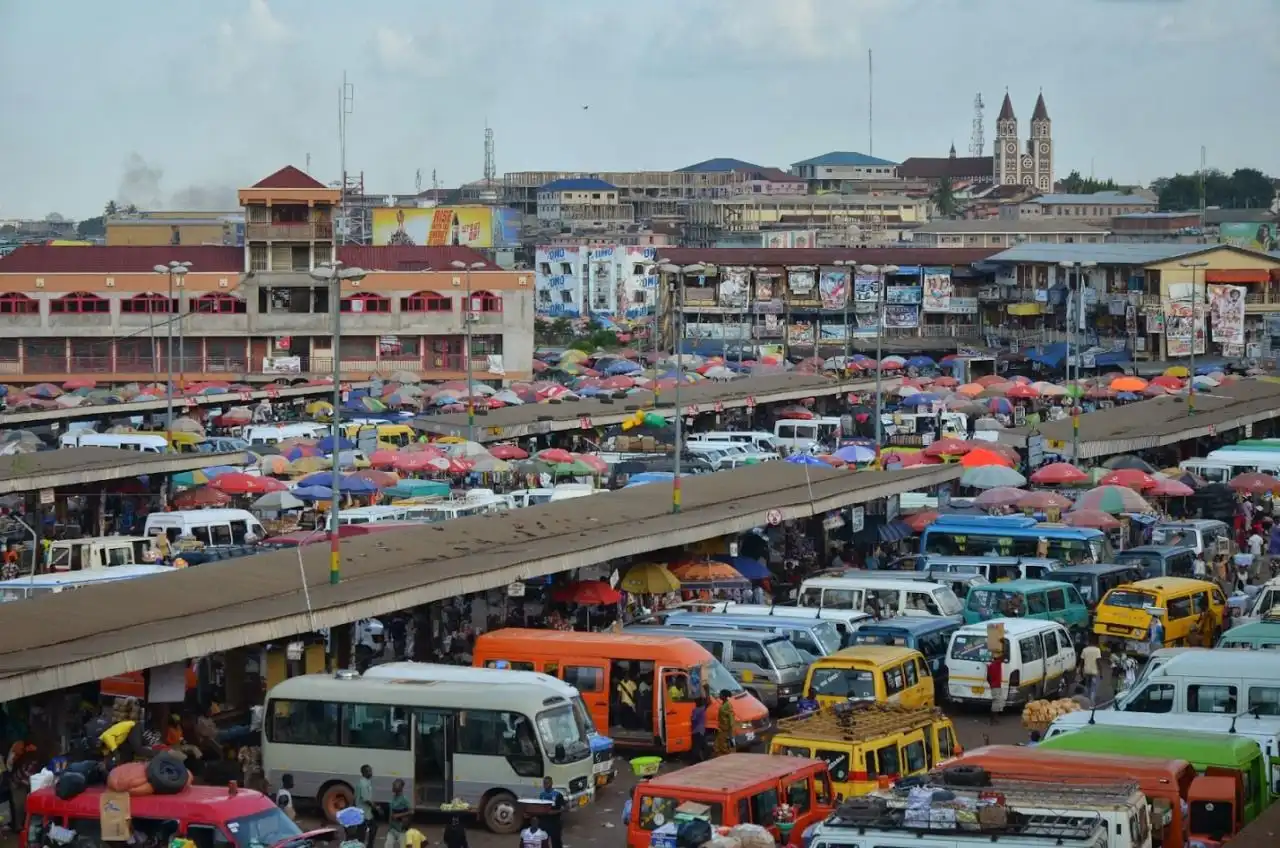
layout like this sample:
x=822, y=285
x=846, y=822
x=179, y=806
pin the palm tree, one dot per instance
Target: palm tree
x=944, y=197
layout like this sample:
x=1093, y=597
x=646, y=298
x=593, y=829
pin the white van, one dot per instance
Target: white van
x=1038, y=658
x=146, y=443
x=894, y=597
x=373, y=515
x=98, y=552
x=798, y=435
x=761, y=441
x=568, y=491
x=846, y=621
x=1214, y=682
x=1207, y=536
x=1268, y=598
x=276, y=433
x=210, y=526
x=1059, y=832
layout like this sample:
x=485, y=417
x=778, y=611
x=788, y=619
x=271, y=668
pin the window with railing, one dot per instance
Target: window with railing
x=426, y=301
x=79, y=303
x=486, y=301
x=16, y=303
x=366, y=303
x=149, y=303
x=217, y=303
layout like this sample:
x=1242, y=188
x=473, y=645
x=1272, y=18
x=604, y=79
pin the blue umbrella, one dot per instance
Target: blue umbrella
x=804, y=459
x=326, y=444
x=920, y=399
x=446, y=400
x=920, y=362
x=752, y=569
x=623, y=366
x=592, y=391
x=855, y=454
x=346, y=483
x=313, y=493
x=1127, y=396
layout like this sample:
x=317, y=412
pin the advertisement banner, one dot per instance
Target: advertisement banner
x=1183, y=320
x=901, y=315
x=1226, y=314
x=1258, y=235
x=832, y=332
x=937, y=290
x=735, y=283
x=467, y=226
x=963, y=306
x=902, y=294
x=866, y=289
x=790, y=238
x=800, y=281
x=800, y=333
x=764, y=287
x=833, y=287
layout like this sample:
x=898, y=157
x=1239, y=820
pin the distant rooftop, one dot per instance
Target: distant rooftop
x=289, y=177
x=1133, y=253
x=937, y=167
x=1098, y=198
x=578, y=184
x=1155, y=216
x=847, y=159
x=996, y=225
x=718, y=165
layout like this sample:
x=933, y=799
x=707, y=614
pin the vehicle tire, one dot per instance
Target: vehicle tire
x=500, y=813
x=167, y=774
x=963, y=775
x=335, y=797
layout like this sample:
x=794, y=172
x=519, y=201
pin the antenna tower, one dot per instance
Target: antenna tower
x=417, y=181
x=435, y=183
x=490, y=168
x=352, y=224
x=976, y=142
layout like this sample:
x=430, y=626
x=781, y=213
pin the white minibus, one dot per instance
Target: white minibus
x=22, y=588
x=210, y=526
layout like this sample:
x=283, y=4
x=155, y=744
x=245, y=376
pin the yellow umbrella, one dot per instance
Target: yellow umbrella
x=649, y=578
x=450, y=440
x=1177, y=371
x=310, y=465
x=573, y=355
x=320, y=409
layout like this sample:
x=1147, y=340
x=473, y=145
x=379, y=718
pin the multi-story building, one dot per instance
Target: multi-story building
x=864, y=218
x=1180, y=227
x=583, y=203
x=1099, y=206
x=171, y=228
x=1030, y=167
x=662, y=195
x=971, y=170
x=612, y=281
x=255, y=311
x=992, y=232
x=842, y=170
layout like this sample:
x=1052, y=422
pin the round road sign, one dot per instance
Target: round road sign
x=774, y=517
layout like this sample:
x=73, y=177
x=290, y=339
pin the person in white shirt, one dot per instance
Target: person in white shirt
x=1089, y=671
x=533, y=836
x=1199, y=569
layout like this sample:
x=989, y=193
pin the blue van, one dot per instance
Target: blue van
x=929, y=636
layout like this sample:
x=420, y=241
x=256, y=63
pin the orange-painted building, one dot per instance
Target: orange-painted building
x=254, y=311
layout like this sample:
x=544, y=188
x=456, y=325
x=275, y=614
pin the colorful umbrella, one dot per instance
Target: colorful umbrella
x=508, y=452
x=709, y=575
x=991, y=476
x=748, y=567
x=949, y=447
x=309, y=465
x=1043, y=501
x=273, y=464
x=1021, y=391
x=240, y=483
x=382, y=458
x=553, y=456
x=1113, y=500
x=1128, y=384
x=979, y=457
x=1093, y=518
x=591, y=593
x=649, y=578
x=1139, y=481
x=201, y=498
x=1254, y=483
x=917, y=521
x=1126, y=460
x=1059, y=474
x=1167, y=487
x=999, y=496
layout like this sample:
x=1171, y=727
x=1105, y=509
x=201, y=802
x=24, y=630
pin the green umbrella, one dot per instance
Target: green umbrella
x=572, y=469
x=1075, y=391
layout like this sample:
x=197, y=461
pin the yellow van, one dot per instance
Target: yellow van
x=179, y=441
x=862, y=743
x=887, y=675
x=390, y=436
x=1122, y=620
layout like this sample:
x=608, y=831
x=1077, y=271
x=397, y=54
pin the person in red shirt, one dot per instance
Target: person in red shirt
x=995, y=681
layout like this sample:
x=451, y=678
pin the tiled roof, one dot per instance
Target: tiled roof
x=410, y=258
x=289, y=177
x=845, y=158
x=995, y=225
x=718, y=165
x=955, y=167
x=1098, y=198
x=120, y=259
x=826, y=256
x=1006, y=109
x=578, y=184
x=1041, y=113
x=1131, y=253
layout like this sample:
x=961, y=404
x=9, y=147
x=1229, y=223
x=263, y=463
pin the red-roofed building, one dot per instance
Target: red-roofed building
x=256, y=312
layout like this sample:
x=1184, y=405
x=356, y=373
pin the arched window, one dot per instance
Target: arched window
x=366, y=303
x=426, y=301
x=486, y=301
x=151, y=302
x=16, y=303
x=218, y=303
x=78, y=303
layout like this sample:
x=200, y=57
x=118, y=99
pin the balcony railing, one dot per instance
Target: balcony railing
x=431, y=363
x=320, y=231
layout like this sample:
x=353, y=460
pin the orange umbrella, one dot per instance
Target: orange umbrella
x=990, y=380
x=917, y=521
x=1128, y=384
x=970, y=389
x=981, y=456
x=707, y=575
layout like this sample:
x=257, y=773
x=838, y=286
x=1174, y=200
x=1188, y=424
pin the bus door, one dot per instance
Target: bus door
x=673, y=704
x=434, y=739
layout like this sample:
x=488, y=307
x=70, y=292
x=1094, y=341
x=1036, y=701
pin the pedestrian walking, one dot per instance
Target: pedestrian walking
x=724, y=725
x=400, y=813
x=700, y=730
x=1090, y=673
x=364, y=800
x=551, y=820
x=995, y=682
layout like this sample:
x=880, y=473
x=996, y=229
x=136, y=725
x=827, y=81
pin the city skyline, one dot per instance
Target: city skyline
x=248, y=87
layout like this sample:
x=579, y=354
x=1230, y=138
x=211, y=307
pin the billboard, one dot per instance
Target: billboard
x=789, y=238
x=1226, y=313
x=467, y=226
x=937, y=290
x=1258, y=235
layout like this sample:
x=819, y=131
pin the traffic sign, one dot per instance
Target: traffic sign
x=774, y=517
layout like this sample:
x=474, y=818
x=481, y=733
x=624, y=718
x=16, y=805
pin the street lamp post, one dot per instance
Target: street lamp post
x=334, y=275
x=678, y=309
x=1072, y=321
x=466, y=321
x=881, y=272
x=179, y=270
x=1195, y=325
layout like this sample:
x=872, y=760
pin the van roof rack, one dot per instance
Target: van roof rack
x=873, y=813
x=858, y=722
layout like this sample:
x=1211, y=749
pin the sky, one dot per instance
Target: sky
x=175, y=105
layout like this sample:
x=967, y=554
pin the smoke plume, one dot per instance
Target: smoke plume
x=142, y=185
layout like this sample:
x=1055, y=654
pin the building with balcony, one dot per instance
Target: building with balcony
x=842, y=170
x=1001, y=234
x=583, y=203
x=612, y=281
x=869, y=218
x=1100, y=206
x=255, y=311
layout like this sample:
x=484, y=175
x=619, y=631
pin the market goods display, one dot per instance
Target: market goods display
x=1038, y=715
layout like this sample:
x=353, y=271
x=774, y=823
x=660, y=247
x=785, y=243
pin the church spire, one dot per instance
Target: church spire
x=1041, y=113
x=1006, y=108
x=953, y=150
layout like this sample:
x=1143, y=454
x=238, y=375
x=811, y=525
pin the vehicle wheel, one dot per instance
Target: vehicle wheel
x=167, y=774
x=335, y=797
x=499, y=813
x=963, y=775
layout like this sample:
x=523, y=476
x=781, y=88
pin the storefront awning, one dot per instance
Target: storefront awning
x=1026, y=308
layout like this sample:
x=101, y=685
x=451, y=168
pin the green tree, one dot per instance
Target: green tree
x=1245, y=188
x=110, y=208
x=92, y=227
x=1074, y=183
x=944, y=197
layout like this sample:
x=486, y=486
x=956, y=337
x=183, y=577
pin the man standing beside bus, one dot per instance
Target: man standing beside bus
x=364, y=800
x=401, y=811
x=557, y=801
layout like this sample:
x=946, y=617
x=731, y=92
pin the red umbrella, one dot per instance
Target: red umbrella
x=1254, y=483
x=999, y=496
x=1167, y=382
x=949, y=447
x=383, y=459
x=917, y=521
x=239, y=483
x=1139, y=481
x=79, y=383
x=591, y=593
x=946, y=382
x=1094, y=518
x=1043, y=500
x=1059, y=474
x=983, y=456
x=1167, y=487
x=989, y=380
x=554, y=456
x=508, y=452
x=200, y=498
x=1022, y=391
x=460, y=466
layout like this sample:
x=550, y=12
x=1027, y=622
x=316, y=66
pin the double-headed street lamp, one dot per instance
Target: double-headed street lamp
x=880, y=272
x=178, y=270
x=333, y=274
x=466, y=322
x=677, y=313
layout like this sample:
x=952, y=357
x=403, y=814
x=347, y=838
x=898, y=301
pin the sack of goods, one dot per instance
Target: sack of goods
x=1038, y=715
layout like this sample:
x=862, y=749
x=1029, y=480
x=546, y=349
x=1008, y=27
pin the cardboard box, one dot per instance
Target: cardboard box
x=114, y=813
x=995, y=636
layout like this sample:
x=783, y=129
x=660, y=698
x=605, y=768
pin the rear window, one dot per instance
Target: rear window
x=972, y=647
x=1129, y=599
x=657, y=810
x=843, y=683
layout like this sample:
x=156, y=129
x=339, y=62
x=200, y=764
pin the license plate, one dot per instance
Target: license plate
x=977, y=690
x=749, y=736
x=601, y=768
x=582, y=802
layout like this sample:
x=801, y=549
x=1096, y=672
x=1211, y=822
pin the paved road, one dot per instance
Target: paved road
x=600, y=825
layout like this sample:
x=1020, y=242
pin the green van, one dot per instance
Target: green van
x=1049, y=600
x=1202, y=750
x=1256, y=636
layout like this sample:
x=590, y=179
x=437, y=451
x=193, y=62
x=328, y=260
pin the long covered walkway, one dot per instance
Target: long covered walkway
x=57, y=641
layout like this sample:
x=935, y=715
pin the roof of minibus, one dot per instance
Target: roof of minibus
x=1012, y=626
x=1251, y=664
x=877, y=654
x=92, y=575
x=909, y=624
x=1019, y=586
x=623, y=646
x=1168, y=584
x=1096, y=567
x=1254, y=628
x=212, y=803
x=1144, y=741
x=376, y=690
x=862, y=582
x=730, y=773
x=1066, y=763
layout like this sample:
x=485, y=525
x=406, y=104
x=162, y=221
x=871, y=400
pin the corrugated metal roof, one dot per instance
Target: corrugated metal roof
x=289, y=177
x=1131, y=253
x=1098, y=198
x=120, y=259
x=996, y=225
x=936, y=167
x=825, y=256
x=846, y=158
x=410, y=258
x=578, y=184
x=718, y=165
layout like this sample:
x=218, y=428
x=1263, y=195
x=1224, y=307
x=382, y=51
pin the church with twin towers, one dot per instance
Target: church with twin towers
x=1030, y=165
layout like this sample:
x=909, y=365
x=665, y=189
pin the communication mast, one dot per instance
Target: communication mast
x=976, y=142
x=490, y=168
x=352, y=225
